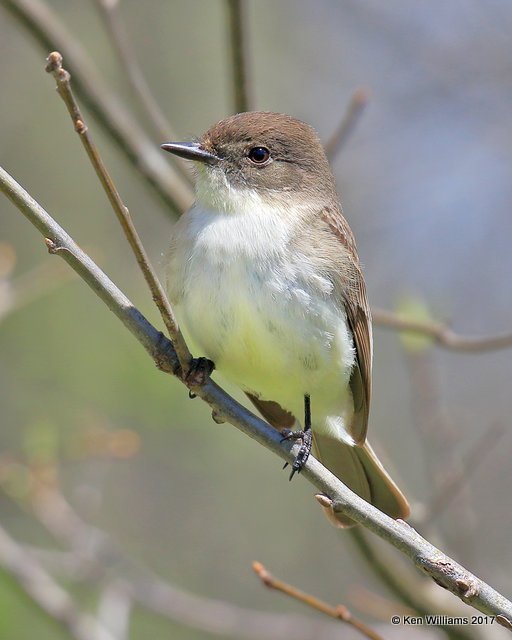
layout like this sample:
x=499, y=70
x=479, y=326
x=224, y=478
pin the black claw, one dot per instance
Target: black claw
x=199, y=371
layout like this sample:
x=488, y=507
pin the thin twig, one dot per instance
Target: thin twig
x=110, y=112
x=109, y=11
x=239, y=55
x=442, y=569
x=441, y=334
x=353, y=111
x=62, y=78
x=339, y=612
x=49, y=596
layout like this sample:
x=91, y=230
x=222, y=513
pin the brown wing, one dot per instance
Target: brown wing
x=359, y=320
x=273, y=413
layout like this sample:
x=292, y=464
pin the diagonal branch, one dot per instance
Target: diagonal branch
x=442, y=569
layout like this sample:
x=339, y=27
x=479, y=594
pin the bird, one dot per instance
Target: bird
x=264, y=276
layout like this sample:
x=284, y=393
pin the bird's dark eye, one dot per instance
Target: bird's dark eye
x=259, y=155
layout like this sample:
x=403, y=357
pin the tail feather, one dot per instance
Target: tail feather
x=358, y=466
x=360, y=469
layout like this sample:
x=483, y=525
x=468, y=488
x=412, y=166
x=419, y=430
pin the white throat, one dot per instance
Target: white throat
x=239, y=221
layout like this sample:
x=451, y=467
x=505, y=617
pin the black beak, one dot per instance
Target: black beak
x=190, y=151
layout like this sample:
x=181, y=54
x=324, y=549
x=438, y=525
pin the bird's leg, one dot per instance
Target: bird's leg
x=306, y=435
x=199, y=371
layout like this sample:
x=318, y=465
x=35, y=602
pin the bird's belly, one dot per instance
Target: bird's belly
x=269, y=334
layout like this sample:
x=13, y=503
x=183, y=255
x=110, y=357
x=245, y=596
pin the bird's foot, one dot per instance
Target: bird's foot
x=199, y=371
x=304, y=451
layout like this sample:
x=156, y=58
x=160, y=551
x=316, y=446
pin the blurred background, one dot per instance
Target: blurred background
x=95, y=443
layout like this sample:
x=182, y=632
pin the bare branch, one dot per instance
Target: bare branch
x=442, y=569
x=239, y=55
x=441, y=334
x=110, y=112
x=62, y=77
x=46, y=593
x=353, y=111
x=339, y=612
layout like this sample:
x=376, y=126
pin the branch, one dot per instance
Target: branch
x=49, y=596
x=110, y=112
x=239, y=63
x=353, y=111
x=62, y=77
x=340, y=612
x=442, y=569
x=441, y=334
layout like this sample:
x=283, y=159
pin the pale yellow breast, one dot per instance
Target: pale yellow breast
x=266, y=321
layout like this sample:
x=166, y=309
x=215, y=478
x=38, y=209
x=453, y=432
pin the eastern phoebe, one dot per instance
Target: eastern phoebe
x=265, y=278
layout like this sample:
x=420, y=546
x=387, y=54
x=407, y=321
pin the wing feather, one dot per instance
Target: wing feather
x=359, y=319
